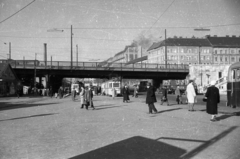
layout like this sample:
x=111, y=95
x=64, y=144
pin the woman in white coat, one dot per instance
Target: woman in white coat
x=191, y=95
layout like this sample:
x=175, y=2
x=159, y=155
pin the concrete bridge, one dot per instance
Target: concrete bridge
x=55, y=71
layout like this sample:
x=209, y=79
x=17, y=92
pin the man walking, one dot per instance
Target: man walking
x=151, y=98
x=191, y=95
x=179, y=95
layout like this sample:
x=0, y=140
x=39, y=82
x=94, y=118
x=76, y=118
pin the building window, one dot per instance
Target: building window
x=233, y=59
x=221, y=59
x=181, y=50
x=136, y=56
x=216, y=58
x=226, y=52
x=238, y=51
x=232, y=51
x=226, y=59
x=174, y=50
x=215, y=51
x=189, y=50
x=220, y=51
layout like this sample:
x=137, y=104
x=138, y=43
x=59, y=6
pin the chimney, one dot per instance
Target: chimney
x=193, y=37
x=45, y=54
x=215, y=35
x=175, y=37
x=227, y=35
x=180, y=37
x=234, y=36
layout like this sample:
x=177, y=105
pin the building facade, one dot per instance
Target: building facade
x=181, y=51
x=226, y=50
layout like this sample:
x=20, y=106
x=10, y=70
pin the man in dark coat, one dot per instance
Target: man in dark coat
x=151, y=98
x=125, y=93
x=213, y=98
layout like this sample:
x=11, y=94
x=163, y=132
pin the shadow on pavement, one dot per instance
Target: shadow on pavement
x=134, y=148
x=8, y=106
x=168, y=110
x=203, y=146
x=29, y=116
x=109, y=107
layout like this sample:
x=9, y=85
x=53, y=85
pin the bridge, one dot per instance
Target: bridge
x=57, y=70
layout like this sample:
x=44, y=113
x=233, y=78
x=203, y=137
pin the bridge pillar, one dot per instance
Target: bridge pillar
x=55, y=82
x=157, y=82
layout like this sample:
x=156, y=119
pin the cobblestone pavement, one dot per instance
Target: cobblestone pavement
x=45, y=128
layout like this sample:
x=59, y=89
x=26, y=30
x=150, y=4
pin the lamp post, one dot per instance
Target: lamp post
x=71, y=41
x=9, y=54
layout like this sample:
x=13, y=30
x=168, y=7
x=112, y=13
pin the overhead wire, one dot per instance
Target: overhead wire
x=16, y=12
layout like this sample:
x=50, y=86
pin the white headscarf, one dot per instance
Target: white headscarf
x=213, y=83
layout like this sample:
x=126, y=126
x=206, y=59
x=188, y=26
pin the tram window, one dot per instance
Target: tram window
x=110, y=85
x=116, y=84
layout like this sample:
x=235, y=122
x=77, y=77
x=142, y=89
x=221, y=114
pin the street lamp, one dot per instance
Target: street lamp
x=71, y=43
x=9, y=55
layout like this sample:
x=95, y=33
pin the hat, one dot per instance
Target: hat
x=213, y=82
x=190, y=80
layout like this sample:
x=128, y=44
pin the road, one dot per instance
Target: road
x=45, y=128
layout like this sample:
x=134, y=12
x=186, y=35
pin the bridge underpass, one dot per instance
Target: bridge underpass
x=55, y=73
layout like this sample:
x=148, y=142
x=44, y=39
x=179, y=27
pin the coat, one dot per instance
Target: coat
x=213, y=98
x=164, y=93
x=125, y=92
x=151, y=97
x=82, y=94
x=191, y=94
x=88, y=95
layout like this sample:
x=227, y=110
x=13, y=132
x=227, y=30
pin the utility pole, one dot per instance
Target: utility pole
x=35, y=74
x=77, y=54
x=165, y=49
x=9, y=50
x=71, y=48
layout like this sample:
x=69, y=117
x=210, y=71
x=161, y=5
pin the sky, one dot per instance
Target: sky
x=102, y=28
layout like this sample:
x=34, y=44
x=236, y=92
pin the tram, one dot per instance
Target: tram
x=233, y=85
x=109, y=86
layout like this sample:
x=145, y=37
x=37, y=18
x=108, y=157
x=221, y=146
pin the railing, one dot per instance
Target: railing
x=30, y=64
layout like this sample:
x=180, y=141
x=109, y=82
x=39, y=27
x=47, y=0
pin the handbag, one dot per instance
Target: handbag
x=205, y=99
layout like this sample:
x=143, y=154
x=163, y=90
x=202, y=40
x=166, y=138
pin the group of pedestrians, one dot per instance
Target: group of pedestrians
x=212, y=98
x=86, y=96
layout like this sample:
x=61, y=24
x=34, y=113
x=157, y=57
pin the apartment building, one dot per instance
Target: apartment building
x=226, y=50
x=181, y=51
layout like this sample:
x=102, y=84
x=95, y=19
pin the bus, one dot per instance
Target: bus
x=109, y=86
x=233, y=85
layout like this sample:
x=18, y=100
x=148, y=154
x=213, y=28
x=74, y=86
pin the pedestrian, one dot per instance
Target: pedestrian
x=213, y=98
x=73, y=93
x=91, y=90
x=151, y=98
x=50, y=92
x=82, y=95
x=98, y=90
x=88, y=97
x=60, y=92
x=178, y=95
x=135, y=91
x=164, y=97
x=18, y=91
x=191, y=95
x=125, y=92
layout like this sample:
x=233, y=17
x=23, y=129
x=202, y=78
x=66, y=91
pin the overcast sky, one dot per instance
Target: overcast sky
x=102, y=28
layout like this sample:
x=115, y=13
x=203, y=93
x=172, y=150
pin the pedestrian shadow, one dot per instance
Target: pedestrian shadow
x=109, y=107
x=29, y=116
x=8, y=106
x=168, y=110
x=136, y=147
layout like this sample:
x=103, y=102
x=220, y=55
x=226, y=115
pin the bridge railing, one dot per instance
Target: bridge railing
x=94, y=65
